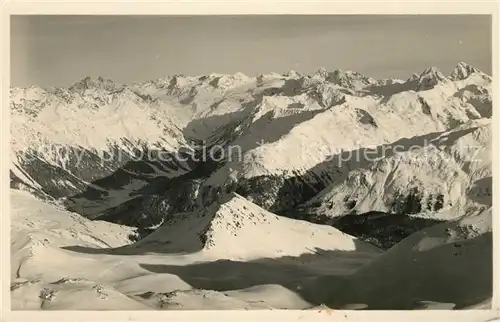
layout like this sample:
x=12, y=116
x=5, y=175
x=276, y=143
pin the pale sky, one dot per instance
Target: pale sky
x=61, y=50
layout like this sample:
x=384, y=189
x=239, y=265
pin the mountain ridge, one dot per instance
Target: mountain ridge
x=284, y=125
x=342, y=188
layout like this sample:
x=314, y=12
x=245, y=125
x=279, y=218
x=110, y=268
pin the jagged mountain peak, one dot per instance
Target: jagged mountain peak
x=89, y=82
x=270, y=75
x=349, y=79
x=226, y=81
x=32, y=92
x=431, y=70
x=179, y=81
x=322, y=72
x=429, y=78
x=462, y=71
x=292, y=74
x=413, y=77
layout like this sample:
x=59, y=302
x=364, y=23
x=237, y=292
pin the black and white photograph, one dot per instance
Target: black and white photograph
x=251, y=162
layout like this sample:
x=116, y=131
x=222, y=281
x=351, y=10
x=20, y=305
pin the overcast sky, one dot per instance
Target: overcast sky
x=61, y=50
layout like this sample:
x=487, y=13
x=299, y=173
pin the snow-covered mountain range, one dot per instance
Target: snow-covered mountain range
x=289, y=172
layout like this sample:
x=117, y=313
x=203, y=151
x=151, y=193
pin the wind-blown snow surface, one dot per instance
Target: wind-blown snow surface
x=100, y=222
x=61, y=260
x=447, y=263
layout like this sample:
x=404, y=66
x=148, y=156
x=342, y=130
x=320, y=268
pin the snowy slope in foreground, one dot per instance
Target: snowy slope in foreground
x=446, y=263
x=61, y=260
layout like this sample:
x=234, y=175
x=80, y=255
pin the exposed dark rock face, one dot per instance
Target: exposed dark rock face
x=151, y=197
x=410, y=203
x=75, y=167
x=17, y=183
x=381, y=229
x=276, y=193
x=425, y=107
x=366, y=118
x=413, y=202
x=151, y=209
